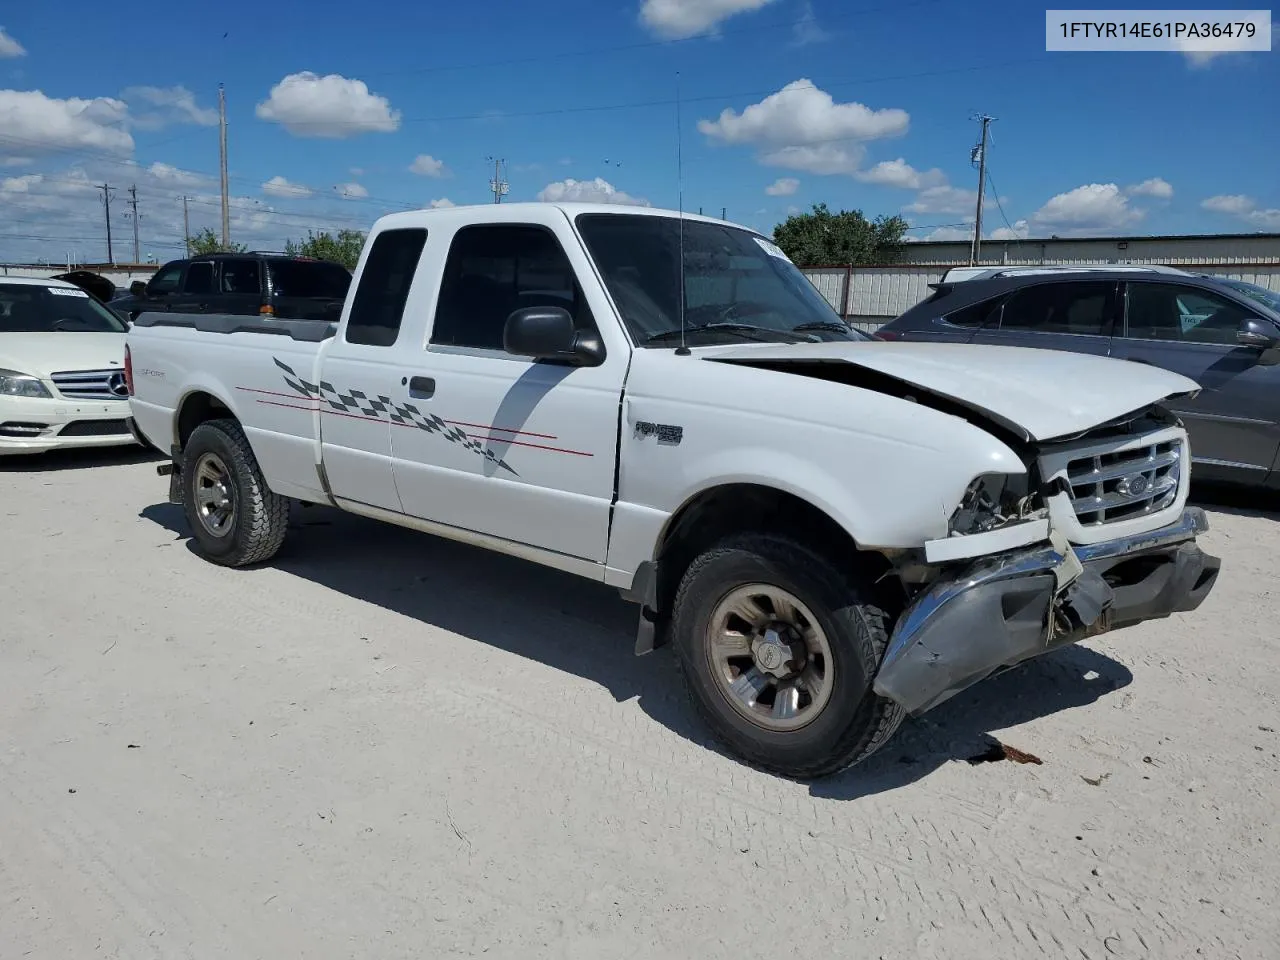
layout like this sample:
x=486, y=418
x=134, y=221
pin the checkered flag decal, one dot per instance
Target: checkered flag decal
x=384, y=408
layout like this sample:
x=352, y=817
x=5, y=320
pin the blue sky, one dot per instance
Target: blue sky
x=348, y=112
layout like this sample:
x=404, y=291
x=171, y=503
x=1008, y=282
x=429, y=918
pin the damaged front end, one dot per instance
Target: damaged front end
x=1001, y=610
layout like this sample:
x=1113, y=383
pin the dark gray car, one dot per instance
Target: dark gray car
x=1223, y=334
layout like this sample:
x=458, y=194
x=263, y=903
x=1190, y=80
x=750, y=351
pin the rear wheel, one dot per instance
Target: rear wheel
x=777, y=648
x=235, y=518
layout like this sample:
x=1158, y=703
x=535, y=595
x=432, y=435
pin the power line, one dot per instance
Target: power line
x=999, y=206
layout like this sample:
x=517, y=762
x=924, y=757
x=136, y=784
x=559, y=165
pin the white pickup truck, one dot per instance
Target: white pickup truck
x=832, y=532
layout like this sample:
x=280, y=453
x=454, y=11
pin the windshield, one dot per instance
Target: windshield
x=1267, y=298
x=737, y=286
x=309, y=278
x=27, y=308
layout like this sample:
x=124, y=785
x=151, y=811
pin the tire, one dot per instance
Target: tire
x=850, y=721
x=256, y=520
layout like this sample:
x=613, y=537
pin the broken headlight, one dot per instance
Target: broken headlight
x=991, y=501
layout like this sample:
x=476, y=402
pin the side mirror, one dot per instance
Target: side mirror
x=138, y=288
x=1263, y=336
x=547, y=333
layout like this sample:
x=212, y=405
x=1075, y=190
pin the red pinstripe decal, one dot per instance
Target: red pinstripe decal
x=535, y=446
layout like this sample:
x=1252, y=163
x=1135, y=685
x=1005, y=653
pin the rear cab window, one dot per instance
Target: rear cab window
x=312, y=279
x=378, y=306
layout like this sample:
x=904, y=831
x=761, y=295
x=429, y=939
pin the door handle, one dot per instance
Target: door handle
x=422, y=388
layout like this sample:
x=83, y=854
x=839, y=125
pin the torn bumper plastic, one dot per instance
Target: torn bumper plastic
x=1003, y=610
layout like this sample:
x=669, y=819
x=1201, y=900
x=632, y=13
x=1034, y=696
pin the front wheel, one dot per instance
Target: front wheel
x=235, y=518
x=778, y=648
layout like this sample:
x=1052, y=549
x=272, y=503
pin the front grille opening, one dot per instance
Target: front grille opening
x=94, y=428
x=1121, y=485
x=16, y=428
x=91, y=384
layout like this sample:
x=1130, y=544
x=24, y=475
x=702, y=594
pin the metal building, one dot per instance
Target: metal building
x=871, y=296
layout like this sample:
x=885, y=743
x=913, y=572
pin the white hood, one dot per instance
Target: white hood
x=40, y=354
x=1041, y=393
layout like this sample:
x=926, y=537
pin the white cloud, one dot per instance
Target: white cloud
x=168, y=105
x=949, y=233
x=678, y=19
x=806, y=30
x=33, y=123
x=1019, y=231
x=825, y=159
x=173, y=176
x=1094, y=207
x=800, y=113
x=899, y=173
x=442, y=203
x=598, y=190
x=280, y=187
x=332, y=106
x=426, y=165
x=784, y=187
x=10, y=47
x=943, y=199
x=1219, y=46
x=1156, y=187
x=351, y=191
x=1237, y=204
x=1245, y=208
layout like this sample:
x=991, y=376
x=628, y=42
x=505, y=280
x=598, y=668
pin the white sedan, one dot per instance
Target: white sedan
x=62, y=379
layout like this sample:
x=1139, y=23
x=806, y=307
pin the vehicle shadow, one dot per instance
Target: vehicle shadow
x=587, y=630
x=1237, y=500
x=81, y=459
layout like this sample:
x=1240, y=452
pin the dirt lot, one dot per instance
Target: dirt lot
x=385, y=745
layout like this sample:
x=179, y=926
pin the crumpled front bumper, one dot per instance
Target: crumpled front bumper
x=1003, y=610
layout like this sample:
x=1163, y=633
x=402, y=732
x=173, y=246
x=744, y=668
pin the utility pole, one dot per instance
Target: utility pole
x=498, y=184
x=133, y=202
x=222, y=143
x=979, y=153
x=106, y=202
x=186, y=227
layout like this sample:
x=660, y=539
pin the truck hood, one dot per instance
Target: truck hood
x=1038, y=394
x=40, y=354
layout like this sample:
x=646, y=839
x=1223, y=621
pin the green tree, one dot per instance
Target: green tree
x=206, y=241
x=821, y=238
x=344, y=248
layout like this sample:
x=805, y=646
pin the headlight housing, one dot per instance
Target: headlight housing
x=992, y=500
x=15, y=384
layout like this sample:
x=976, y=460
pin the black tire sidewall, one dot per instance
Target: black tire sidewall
x=839, y=614
x=212, y=438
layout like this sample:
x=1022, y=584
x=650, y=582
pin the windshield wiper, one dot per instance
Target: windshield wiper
x=831, y=325
x=746, y=329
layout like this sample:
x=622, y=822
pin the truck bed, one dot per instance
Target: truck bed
x=307, y=331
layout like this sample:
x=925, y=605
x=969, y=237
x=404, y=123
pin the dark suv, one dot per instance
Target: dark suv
x=260, y=284
x=1224, y=334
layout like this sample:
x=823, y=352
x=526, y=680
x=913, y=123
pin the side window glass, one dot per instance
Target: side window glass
x=199, y=277
x=1080, y=308
x=166, y=280
x=494, y=270
x=241, y=276
x=1170, y=311
x=378, y=306
x=975, y=314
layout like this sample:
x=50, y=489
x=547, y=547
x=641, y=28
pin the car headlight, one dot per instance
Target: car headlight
x=15, y=384
x=990, y=501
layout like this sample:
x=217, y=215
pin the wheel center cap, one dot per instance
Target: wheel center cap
x=772, y=653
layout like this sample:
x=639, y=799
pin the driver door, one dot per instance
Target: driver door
x=1234, y=423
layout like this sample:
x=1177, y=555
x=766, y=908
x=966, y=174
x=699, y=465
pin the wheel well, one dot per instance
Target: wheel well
x=196, y=409
x=742, y=508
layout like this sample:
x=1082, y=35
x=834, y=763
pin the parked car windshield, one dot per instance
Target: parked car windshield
x=27, y=308
x=309, y=278
x=737, y=286
x=1267, y=298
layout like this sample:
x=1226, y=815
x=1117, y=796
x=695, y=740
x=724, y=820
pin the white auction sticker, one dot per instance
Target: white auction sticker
x=1184, y=31
x=67, y=292
x=772, y=249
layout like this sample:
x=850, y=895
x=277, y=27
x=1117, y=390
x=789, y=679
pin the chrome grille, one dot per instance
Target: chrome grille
x=1110, y=487
x=90, y=384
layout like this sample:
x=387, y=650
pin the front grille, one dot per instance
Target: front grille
x=13, y=428
x=90, y=384
x=94, y=428
x=1111, y=487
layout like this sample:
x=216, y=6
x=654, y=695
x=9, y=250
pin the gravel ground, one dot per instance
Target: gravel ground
x=385, y=745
